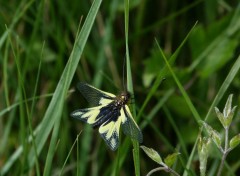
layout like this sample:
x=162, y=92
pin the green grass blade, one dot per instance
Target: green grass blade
x=161, y=75
x=177, y=131
x=51, y=150
x=54, y=111
x=65, y=162
x=21, y=10
x=130, y=89
x=156, y=108
x=231, y=75
x=5, y=73
x=182, y=90
x=24, y=111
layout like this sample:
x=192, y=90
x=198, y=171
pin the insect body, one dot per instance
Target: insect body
x=109, y=114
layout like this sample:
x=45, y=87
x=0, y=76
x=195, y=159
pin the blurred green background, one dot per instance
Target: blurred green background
x=36, y=41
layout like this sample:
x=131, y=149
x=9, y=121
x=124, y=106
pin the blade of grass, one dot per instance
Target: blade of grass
x=231, y=75
x=21, y=10
x=54, y=111
x=153, y=89
x=186, y=97
x=5, y=73
x=70, y=151
x=181, y=88
x=177, y=131
x=23, y=95
x=13, y=106
x=105, y=48
x=161, y=75
x=156, y=108
x=51, y=150
x=130, y=88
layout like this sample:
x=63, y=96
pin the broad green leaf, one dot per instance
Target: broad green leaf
x=170, y=159
x=235, y=141
x=152, y=154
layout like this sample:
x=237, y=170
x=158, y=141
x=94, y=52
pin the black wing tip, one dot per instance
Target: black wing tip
x=72, y=114
x=81, y=84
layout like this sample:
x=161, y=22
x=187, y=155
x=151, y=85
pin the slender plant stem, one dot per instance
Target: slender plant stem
x=173, y=172
x=165, y=168
x=225, y=153
x=226, y=140
x=155, y=170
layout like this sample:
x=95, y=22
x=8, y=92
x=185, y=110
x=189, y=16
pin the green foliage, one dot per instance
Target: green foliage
x=213, y=134
x=203, y=153
x=152, y=154
x=234, y=142
x=226, y=119
x=182, y=60
x=170, y=159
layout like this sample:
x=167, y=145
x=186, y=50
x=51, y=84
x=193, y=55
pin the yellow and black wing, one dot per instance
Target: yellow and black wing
x=109, y=130
x=109, y=113
x=107, y=118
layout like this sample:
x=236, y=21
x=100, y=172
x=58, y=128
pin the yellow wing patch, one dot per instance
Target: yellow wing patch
x=110, y=133
x=88, y=115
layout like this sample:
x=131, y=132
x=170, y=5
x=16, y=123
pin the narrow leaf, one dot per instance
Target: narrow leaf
x=228, y=106
x=170, y=159
x=152, y=154
x=235, y=141
x=221, y=117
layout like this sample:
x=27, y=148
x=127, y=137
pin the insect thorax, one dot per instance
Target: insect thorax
x=122, y=99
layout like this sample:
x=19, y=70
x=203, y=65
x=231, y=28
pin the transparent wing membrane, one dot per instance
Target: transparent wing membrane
x=95, y=96
x=130, y=127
